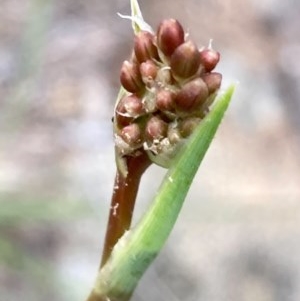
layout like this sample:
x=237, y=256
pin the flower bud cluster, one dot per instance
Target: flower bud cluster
x=170, y=87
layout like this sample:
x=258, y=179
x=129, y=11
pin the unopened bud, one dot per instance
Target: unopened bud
x=185, y=60
x=130, y=77
x=133, y=105
x=148, y=71
x=131, y=134
x=165, y=100
x=128, y=108
x=170, y=35
x=213, y=81
x=209, y=58
x=188, y=126
x=156, y=128
x=192, y=95
x=121, y=116
x=144, y=48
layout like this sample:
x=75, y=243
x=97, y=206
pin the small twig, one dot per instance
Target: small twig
x=163, y=114
x=123, y=201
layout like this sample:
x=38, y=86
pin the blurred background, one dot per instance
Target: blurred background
x=238, y=236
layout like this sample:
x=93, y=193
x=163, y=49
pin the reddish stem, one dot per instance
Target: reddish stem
x=123, y=201
x=95, y=297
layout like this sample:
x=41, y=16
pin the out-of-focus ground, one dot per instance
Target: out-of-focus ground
x=238, y=236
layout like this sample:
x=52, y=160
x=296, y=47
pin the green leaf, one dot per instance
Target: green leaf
x=137, y=248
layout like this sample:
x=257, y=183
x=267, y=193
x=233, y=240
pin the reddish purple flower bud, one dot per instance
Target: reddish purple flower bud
x=170, y=35
x=128, y=108
x=148, y=71
x=133, y=105
x=209, y=58
x=121, y=117
x=213, y=81
x=165, y=100
x=130, y=77
x=192, y=95
x=131, y=134
x=144, y=48
x=188, y=126
x=185, y=60
x=156, y=128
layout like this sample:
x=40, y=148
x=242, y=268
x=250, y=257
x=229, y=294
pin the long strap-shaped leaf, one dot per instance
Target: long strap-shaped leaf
x=138, y=247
